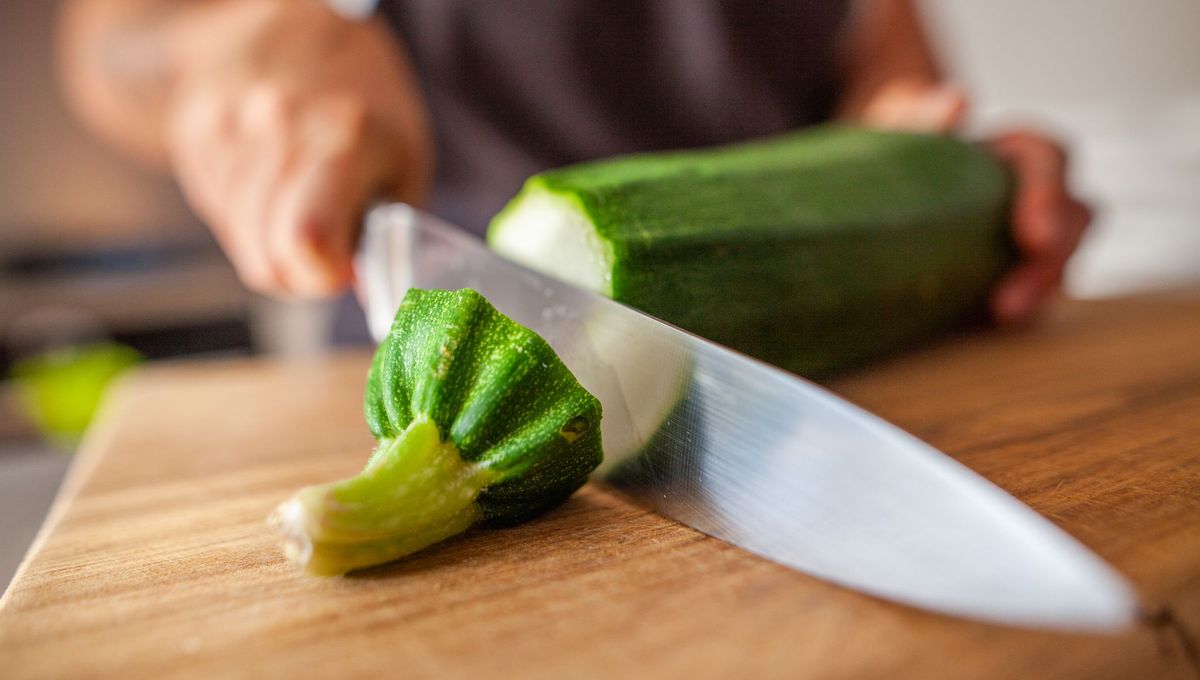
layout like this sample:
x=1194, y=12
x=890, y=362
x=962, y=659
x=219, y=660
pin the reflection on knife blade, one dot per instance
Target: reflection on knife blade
x=765, y=460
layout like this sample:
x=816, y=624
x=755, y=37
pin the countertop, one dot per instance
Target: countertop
x=156, y=560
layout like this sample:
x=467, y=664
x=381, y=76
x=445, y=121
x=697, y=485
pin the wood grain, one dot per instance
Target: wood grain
x=156, y=561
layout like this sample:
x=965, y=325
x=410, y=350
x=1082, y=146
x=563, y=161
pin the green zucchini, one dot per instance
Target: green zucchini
x=813, y=251
x=477, y=420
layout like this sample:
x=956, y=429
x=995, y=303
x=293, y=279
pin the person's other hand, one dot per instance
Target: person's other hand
x=284, y=121
x=1048, y=222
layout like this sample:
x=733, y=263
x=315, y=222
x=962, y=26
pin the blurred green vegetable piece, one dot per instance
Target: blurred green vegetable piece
x=477, y=421
x=63, y=388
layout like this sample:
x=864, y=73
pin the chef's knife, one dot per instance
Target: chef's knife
x=763, y=459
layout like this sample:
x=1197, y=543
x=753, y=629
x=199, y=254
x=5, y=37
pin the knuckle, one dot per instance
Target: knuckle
x=306, y=260
x=289, y=244
x=269, y=106
x=1040, y=200
x=210, y=111
x=1049, y=149
x=190, y=116
x=325, y=240
x=313, y=237
x=348, y=120
x=1054, y=150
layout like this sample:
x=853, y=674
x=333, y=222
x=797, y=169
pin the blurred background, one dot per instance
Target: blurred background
x=94, y=250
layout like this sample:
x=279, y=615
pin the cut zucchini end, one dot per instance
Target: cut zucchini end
x=550, y=232
x=416, y=491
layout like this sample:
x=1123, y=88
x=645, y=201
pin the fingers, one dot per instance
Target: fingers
x=1048, y=224
x=267, y=127
x=280, y=183
x=199, y=136
x=1041, y=201
x=314, y=224
x=1024, y=289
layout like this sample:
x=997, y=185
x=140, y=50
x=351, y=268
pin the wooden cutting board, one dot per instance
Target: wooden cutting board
x=156, y=561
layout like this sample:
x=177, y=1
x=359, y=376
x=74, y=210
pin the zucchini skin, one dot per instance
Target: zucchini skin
x=813, y=251
x=478, y=421
x=494, y=389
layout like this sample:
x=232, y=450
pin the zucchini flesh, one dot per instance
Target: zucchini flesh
x=813, y=250
x=477, y=421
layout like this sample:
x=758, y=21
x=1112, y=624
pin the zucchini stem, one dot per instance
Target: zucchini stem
x=416, y=490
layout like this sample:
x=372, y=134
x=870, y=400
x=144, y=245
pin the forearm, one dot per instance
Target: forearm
x=884, y=52
x=124, y=62
x=116, y=67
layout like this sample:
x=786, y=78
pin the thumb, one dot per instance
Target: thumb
x=918, y=108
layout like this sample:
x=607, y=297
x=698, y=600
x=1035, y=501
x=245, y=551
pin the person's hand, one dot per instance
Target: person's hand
x=1048, y=222
x=284, y=121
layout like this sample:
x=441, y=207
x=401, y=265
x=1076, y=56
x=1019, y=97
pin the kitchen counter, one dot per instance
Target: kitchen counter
x=156, y=560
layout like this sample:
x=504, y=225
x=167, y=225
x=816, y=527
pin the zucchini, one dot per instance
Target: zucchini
x=813, y=250
x=477, y=420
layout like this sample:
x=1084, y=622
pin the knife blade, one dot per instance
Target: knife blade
x=763, y=459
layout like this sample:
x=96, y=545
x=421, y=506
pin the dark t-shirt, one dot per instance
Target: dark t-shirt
x=518, y=86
